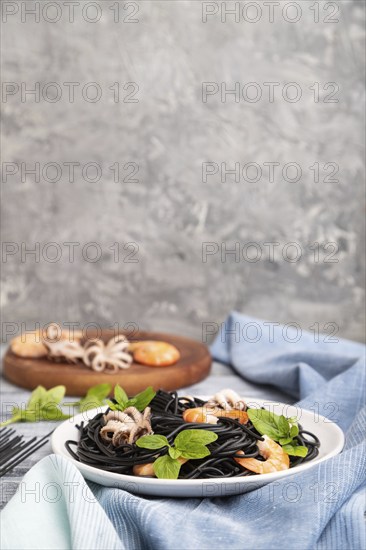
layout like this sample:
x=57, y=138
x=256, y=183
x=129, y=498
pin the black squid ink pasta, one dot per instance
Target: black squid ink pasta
x=233, y=438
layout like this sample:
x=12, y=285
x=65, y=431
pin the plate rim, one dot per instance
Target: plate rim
x=59, y=449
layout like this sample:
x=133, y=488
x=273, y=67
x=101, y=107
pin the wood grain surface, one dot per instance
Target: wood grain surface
x=194, y=365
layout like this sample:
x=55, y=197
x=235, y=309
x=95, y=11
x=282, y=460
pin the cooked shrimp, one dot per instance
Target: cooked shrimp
x=211, y=415
x=276, y=458
x=29, y=345
x=200, y=414
x=154, y=353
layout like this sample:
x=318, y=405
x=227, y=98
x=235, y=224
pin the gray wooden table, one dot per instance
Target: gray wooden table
x=221, y=377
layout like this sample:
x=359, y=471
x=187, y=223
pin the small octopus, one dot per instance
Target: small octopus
x=127, y=426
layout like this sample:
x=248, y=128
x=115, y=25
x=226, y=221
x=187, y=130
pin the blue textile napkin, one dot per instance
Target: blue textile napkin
x=321, y=508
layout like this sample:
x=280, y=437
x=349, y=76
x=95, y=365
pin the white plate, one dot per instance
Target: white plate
x=330, y=435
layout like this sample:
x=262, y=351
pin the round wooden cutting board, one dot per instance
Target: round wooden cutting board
x=194, y=365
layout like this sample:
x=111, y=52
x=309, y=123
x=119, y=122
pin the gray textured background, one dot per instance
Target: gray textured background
x=169, y=133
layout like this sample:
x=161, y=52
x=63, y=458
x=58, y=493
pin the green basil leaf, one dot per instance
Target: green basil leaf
x=294, y=431
x=17, y=415
x=38, y=396
x=30, y=416
x=130, y=403
x=143, y=399
x=188, y=438
x=166, y=467
x=95, y=397
x=174, y=453
x=295, y=450
x=284, y=440
x=195, y=451
x=140, y=401
x=120, y=395
x=49, y=414
x=111, y=405
x=88, y=403
x=100, y=391
x=268, y=423
x=42, y=405
x=49, y=411
x=55, y=395
x=152, y=442
x=282, y=423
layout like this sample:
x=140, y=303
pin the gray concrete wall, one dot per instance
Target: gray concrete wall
x=167, y=124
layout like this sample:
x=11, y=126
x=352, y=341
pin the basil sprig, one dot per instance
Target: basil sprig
x=46, y=405
x=279, y=428
x=140, y=401
x=42, y=405
x=189, y=444
x=95, y=397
